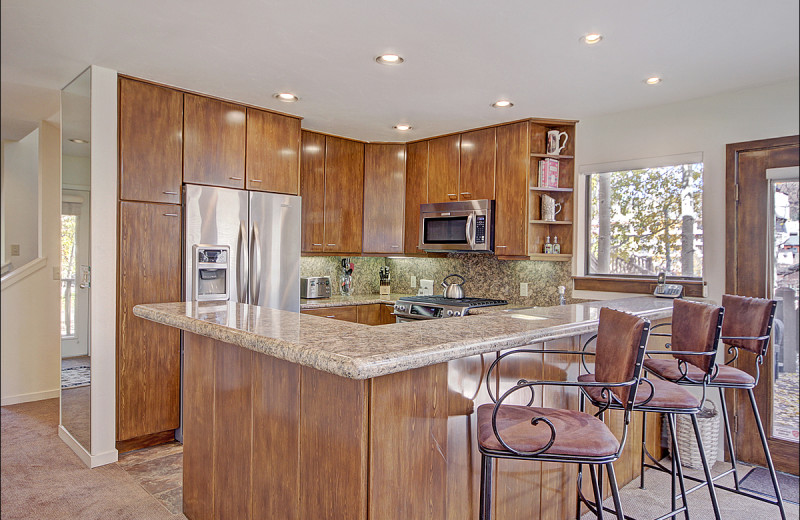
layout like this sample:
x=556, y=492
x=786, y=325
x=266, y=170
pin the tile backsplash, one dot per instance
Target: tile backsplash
x=486, y=276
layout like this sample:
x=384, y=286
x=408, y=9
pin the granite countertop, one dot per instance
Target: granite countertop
x=358, y=351
x=341, y=301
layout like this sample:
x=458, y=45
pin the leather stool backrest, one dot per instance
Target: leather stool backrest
x=748, y=317
x=621, y=338
x=696, y=327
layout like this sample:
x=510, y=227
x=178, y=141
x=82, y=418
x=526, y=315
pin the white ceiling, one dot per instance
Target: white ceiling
x=461, y=55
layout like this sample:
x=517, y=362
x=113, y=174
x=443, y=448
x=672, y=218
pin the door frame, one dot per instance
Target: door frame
x=784, y=453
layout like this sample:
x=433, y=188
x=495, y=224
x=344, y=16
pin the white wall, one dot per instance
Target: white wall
x=76, y=172
x=702, y=125
x=21, y=210
x=30, y=357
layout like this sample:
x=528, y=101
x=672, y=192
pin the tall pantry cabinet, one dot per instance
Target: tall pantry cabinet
x=149, y=261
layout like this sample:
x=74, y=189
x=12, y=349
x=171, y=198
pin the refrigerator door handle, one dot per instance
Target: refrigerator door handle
x=241, y=264
x=255, y=265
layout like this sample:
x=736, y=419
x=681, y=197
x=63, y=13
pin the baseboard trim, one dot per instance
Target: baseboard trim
x=34, y=396
x=91, y=461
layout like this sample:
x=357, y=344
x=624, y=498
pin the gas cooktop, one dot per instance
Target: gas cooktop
x=432, y=307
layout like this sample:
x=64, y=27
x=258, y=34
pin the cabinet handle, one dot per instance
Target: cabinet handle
x=169, y=192
x=332, y=316
x=395, y=247
x=500, y=246
x=466, y=193
x=255, y=180
x=316, y=244
x=451, y=195
x=170, y=214
x=331, y=245
x=235, y=178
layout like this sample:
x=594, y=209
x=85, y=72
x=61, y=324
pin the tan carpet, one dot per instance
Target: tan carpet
x=41, y=478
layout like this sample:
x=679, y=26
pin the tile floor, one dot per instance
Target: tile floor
x=159, y=470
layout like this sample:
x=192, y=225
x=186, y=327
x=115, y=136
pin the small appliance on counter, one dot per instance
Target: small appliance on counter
x=211, y=266
x=385, y=283
x=315, y=287
x=412, y=308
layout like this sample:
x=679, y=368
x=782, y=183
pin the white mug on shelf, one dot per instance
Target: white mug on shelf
x=549, y=210
x=554, y=145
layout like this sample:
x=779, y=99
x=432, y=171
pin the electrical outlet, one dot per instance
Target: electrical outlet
x=14, y=249
x=413, y=281
x=523, y=289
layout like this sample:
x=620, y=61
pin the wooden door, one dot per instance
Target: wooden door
x=443, y=166
x=214, y=142
x=312, y=189
x=344, y=195
x=478, y=152
x=416, y=193
x=511, y=206
x=384, y=198
x=150, y=142
x=148, y=354
x=273, y=152
x=747, y=255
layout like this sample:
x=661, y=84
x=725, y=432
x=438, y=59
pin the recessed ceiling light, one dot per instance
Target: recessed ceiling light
x=389, y=59
x=286, y=96
x=591, y=39
x=655, y=80
x=402, y=127
x=79, y=141
x=503, y=103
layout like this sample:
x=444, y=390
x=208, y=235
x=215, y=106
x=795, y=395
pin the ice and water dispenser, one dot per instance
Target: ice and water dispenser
x=211, y=272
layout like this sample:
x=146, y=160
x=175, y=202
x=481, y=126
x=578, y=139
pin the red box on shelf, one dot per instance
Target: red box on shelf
x=548, y=173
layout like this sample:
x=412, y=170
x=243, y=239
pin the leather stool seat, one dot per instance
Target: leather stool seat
x=665, y=395
x=577, y=433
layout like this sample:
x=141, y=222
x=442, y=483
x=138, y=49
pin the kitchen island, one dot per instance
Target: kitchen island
x=298, y=416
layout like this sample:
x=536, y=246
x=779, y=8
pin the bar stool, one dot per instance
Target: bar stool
x=696, y=333
x=747, y=326
x=524, y=432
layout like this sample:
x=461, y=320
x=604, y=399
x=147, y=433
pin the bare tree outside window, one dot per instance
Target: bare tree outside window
x=646, y=221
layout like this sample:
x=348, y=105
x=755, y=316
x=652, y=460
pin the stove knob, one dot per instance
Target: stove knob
x=457, y=313
x=449, y=313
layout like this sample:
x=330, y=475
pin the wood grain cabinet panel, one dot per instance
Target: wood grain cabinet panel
x=511, y=206
x=344, y=312
x=443, y=168
x=150, y=142
x=312, y=189
x=148, y=354
x=344, y=195
x=477, y=171
x=214, y=142
x=273, y=152
x=416, y=193
x=369, y=314
x=384, y=198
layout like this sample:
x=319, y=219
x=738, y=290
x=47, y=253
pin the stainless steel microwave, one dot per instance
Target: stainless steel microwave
x=457, y=226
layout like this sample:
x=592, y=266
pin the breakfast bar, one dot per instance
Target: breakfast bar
x=297, y=416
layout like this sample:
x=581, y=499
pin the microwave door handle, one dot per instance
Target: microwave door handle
x=241, y=264
x=471, y=230
x=255, y=265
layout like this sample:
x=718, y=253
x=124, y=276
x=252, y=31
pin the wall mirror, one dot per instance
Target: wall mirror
x=75, y=259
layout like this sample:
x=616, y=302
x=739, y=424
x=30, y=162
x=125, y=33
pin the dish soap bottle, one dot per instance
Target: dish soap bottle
x=548, y=247
x=562, y=296
x=556, y=246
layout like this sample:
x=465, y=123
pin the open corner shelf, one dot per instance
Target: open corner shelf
x=551, y=156
x=537, y=188
x=551, y=222
x=551, y=257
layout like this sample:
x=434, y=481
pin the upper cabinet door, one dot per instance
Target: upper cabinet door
x=214, y=142
x=477, y=165
x=344, y=195
x=443, y=164
x=312, y=189
x=511, y=208
x=416, y=193
x=384, y=195
x=273, y=152
x=150, y=142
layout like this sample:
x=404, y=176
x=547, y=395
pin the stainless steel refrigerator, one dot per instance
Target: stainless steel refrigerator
x=262, y=231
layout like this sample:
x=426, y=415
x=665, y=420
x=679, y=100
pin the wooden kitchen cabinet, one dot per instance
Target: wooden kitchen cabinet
x=343, y=312
x=369, y=314
x=273, y=152
x=384, y=198
x=477, y=171
x=148, y=354
x=214, y=142
x=312, y=189
x=511, y=202
x=416, y=193
x=443, y=167
x=344, y=195
x=150, y=142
